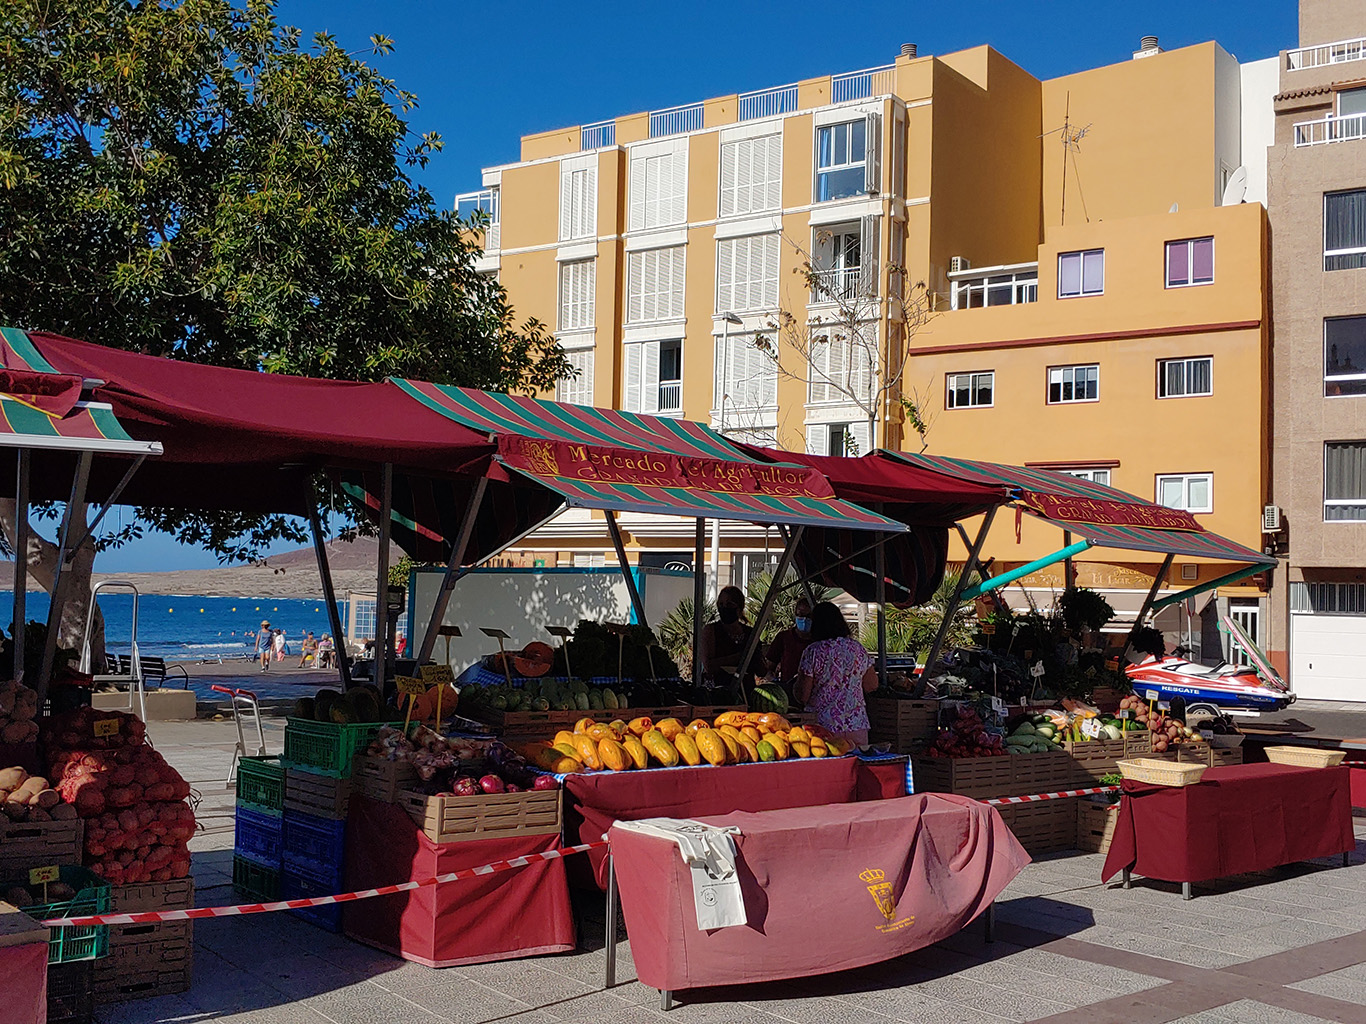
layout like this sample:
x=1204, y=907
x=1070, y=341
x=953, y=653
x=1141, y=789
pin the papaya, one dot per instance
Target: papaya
x=614, y=756
x=773, y=722
x=818, y=748
x=637, y=750
x=798, y=735
x=749, y=750
x=567, y=766
x=837, y=748
x=567, y=749
x=801, y=749
x=618, y=727
x=752, y=732
x=729, y=730
x=563, y=736
x=752, y=717
x=732, y=745
x=696, y=726
x=584, y=724
x=600, y=732
x=779, y=745
x=587, y=750
x=730, y=718
x=669, y=728
x=660, y=748
x=766, y=751
x=640, y=726
x=711, y=746
x=687, y=749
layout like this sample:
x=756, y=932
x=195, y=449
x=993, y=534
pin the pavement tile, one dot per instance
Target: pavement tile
x=1349, y=984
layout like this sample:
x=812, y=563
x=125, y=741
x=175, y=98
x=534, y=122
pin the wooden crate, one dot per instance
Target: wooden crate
x=115, y=985
x=710, y=711
x=381, y=779
x=322, y=796
x=447, y=818
x=153, y=942
x=176, y=894
x=908, y=725
x=978, y=777
x=36, y=844
x=683, y=712
x=1041, y=773
x=1225, y=755
x=1095, y=825
x=1090, y=759
x=1043, y=827
x=145, y=960
x=528, y=723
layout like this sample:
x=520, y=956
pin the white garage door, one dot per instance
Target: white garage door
x=1328, y=656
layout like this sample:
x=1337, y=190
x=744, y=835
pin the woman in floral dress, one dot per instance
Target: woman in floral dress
x=834, y=674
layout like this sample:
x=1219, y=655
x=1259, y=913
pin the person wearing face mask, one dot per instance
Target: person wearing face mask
x=784, y=654
x=834, y=674
x=723, y=641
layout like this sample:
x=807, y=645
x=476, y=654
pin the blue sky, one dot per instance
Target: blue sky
x=487, y=75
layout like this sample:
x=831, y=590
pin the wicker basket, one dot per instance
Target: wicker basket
x=1161, y=773
x=1305, y=757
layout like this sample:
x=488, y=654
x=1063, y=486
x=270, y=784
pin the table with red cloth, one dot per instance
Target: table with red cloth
x=1236, y=819
x=597, y=800
x=825, y=888
x=23, y=966
x=496, y=917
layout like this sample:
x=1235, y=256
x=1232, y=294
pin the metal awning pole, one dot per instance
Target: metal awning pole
x=1158, y=580
x=1069, y=571
x=452, y=574
x=330, y=596
x=386, y=512
x=881, y=570
x=698, y=592
x=770, y=599
x=54, y=611
x=21, y=494
x=947, y=622
x=636, y=603
x=113, y=498
x=1200, y=588
x=1024, y=570
x=805, y=581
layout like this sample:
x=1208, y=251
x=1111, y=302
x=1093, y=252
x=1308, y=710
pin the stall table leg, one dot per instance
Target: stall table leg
x=1186, y=893
x=1126, y=878
x=989, y=923
x=1346, y=858
x=666, y=1000
x=611, y=948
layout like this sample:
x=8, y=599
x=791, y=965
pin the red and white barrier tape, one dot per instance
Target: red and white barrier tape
x=1035, y=798
x=194, y=913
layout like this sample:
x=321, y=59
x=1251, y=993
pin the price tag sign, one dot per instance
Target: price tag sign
x=432, y=674
x=1163, y=705
x=1150, y=695
x=43, y=875
x=998, y=705
x=1037, y=670
x=1090, y=727
x=1090, y=671
x=410, y=687
x=988, y=628
x=107, y=727
x=1127, y=714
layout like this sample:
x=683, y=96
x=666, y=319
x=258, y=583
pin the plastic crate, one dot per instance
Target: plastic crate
x=261, y=784
x=327, y=747
x=259, y=836
x=297, y=885
x=313, y=845
x=67, y=945
x=71, y=993
x=256, y=881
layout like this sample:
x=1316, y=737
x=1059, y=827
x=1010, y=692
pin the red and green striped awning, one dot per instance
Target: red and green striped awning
x=627, y=462
x=41, y=408
x=1106, y=516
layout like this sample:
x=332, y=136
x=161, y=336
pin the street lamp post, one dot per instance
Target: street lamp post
x=727, y=318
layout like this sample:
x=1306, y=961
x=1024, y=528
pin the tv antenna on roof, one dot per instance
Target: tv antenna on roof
x=1071, y=136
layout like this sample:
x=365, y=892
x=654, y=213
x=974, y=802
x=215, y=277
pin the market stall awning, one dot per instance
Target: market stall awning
x=1105, y=516
x=627, y=462
x=44, y=410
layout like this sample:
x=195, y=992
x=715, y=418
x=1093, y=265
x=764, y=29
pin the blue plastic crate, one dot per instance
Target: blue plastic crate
x=313, y=845
x=259, y=836
x=297, y=885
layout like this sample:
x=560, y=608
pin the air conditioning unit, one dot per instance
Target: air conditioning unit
x=1271, y=519
x=958, y=263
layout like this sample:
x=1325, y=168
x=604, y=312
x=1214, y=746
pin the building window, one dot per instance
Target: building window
x=1095, y=476
x=842, y=155
x=838, y=264
x=1073, y=384
x=658, y=185
x=1185, y=378
x=577, y=390
x=652, y=376
x=1344, y=230
x=1351, y=102
x=840, y=441
x=751, y=176
x=1005, y=287
x=970, y=390
x=747, y=273
x=844, y=439
x=842, y=369
x=1190, y=261
x=655, y=285
x=1344, y=481
x=596, y=560
x=578, y=279
x=1193, y=492
x=1081, y=273
x=579, y=198
x=745, y=389
x=1344, y=356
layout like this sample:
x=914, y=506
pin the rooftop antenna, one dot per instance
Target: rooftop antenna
x=1071, y=136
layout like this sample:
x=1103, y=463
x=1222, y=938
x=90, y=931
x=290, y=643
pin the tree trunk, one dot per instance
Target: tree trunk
x=42, y=563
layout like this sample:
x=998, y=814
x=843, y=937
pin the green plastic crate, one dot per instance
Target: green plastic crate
x=68, y=945
x=326, y=748
x=256, y=880
x=261, y=784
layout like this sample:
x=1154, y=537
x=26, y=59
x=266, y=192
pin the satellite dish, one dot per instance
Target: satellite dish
x=1236, y=188
x=1175, y=208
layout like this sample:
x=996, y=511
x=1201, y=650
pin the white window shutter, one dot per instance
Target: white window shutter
x=649, y=375
x=768, y=296
x=675, y=293
x=898, y=151
x=868, y=254
x=635, y=273
x=818, y=439
x=872, y=158
x=632, y=382
x=725, y=270
x=566, y=204
x=897, y=257
x=729, y=157
x=771, y=197
x=858, y=430
x=678, y=183
x=719, y=376
x=636, y=219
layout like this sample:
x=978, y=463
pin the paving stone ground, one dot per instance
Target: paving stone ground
x=1280, y=947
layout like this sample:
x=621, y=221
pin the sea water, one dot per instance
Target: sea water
x=194, y=628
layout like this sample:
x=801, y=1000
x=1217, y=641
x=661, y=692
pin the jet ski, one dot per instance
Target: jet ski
x=1209, y=689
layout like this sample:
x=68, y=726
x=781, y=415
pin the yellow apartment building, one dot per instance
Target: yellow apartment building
x=1068, y=273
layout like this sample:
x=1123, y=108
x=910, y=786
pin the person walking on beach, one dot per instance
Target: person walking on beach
x=263, y=644
x=279, y=644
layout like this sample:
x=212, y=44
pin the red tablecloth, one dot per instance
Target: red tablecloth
x=826, y=889
x=1238, y=818
x=24, y=970
x=599, y=799
x=504, y=915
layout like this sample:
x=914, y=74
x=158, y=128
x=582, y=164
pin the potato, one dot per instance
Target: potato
x=14, y=810
x=36, y=813
x=63, y=812
x=30, y=789
x=58, y=891
x=47, y=799
x=18, y=896
x=12, y=778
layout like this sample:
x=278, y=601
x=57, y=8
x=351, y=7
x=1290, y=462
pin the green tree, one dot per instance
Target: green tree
x=189, y=178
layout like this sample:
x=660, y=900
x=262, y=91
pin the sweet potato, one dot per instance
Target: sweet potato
x=47, y=799
x=32, y=786
x=12, y=778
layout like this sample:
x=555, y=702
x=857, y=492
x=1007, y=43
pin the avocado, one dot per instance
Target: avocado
x=303, y=708
x=322, y=704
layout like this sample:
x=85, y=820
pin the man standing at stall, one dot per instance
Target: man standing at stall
x=784, y=654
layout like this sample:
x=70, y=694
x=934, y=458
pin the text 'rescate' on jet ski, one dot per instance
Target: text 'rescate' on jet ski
x=1206, y=689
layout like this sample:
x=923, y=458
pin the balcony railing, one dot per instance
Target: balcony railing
x=1330, y=129
x=675, y=120
x=843, y=285
x=1325, y=53
x=670, y=395
x=859, y=85
x=599, y=135
x=995, y=286
x=781, y=99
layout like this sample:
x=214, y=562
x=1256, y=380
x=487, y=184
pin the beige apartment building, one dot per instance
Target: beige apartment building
x=1317, y=208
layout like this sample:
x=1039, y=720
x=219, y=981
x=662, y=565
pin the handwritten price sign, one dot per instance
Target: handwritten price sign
x=107, y=727
x=432, y=674
x=409, y=686
x=43, y=875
